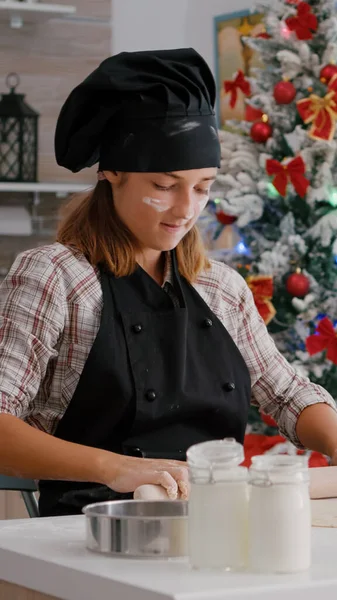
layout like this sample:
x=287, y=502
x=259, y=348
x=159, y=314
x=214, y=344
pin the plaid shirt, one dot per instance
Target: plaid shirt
x=50, y=307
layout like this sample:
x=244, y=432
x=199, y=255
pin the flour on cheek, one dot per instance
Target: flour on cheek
x=157, y=205
x=162, y=205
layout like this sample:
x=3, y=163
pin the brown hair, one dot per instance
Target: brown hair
x=92, y=226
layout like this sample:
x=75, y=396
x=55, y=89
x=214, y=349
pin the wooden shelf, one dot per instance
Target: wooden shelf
x=59, y=189
x=17, y=13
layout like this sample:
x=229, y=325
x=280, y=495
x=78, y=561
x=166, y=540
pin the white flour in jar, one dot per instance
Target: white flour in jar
x=279, y=528
x=217, y=524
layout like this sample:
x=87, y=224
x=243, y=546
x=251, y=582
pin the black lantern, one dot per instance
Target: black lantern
x=18, y=136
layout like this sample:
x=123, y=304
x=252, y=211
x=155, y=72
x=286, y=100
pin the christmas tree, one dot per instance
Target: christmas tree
x=273, y=209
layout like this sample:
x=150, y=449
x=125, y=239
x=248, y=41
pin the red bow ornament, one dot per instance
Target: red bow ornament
x=325, y=338
x=321, y=112
x=262, y=289
x=305, y=23
x=292, y=171
x=239, y=83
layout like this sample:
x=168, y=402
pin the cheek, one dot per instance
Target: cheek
x=142, y=217
x=200, y=207
x=131, y=211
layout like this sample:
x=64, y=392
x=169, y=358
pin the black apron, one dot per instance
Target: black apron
x=159, y=378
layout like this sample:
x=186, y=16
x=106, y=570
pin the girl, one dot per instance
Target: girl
x=121, y=345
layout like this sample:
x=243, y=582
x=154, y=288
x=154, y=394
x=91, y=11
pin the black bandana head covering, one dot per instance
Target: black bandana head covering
x=147, y=111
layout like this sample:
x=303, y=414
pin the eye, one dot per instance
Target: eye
x=203, y=192
x=163, y=188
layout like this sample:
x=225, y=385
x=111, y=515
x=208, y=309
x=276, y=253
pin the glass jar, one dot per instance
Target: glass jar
x=218, y=505
x=279, y=514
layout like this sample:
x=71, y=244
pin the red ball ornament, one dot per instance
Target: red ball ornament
x=284, y=92
x=327, y=73
x=297, y=285
x=260, y=132
x=225, y=219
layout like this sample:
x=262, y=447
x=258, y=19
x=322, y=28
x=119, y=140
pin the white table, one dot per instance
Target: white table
x=49, y=556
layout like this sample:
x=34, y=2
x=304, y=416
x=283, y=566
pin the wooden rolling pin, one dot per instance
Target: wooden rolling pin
x=323, y=484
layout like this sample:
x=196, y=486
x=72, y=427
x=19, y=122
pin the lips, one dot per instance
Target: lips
x=173, y=224
x=173, y=229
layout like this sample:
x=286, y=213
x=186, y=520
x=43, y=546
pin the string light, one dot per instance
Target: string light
x=272, y=191
x=241, y=248
x=333, y=197
x=285, y=31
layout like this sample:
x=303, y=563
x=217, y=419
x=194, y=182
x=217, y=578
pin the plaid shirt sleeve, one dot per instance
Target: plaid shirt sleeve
x=31, y=320
x=276, y=388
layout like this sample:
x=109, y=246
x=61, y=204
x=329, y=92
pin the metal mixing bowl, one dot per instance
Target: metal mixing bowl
x=137, y=529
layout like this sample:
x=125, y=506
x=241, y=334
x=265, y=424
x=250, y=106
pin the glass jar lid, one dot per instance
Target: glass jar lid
x=216, y=461
x=279, y=469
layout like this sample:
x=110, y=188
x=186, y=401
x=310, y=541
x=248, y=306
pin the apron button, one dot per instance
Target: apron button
x=137, y=328
x=208, y=323
x=229, y=386
x=151, y=395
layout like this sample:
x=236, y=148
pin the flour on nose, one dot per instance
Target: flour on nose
x=157, y=205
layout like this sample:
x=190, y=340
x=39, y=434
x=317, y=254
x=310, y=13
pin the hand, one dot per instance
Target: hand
x=131, y=472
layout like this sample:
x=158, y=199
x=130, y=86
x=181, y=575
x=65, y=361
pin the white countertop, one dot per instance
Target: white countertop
x=49, y=555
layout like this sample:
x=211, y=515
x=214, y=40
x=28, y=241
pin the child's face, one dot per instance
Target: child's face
x=160, y=208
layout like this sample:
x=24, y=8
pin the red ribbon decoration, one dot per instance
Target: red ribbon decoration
x=264, y=35
x=263, y=290
x=253, y=114
x=325, y=338
x=293, y=171
x=305, y=23
x=239, y=83
x=321, y=112
x=256, y=444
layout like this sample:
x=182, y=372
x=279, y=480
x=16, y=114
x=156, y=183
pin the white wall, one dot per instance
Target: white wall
x=148, y=24
x=160, y=24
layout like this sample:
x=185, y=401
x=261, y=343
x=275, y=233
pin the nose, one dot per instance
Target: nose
x=185, y=205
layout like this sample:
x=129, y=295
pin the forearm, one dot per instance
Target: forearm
x=27, y=452
x=30, y=453
x=317, y=429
